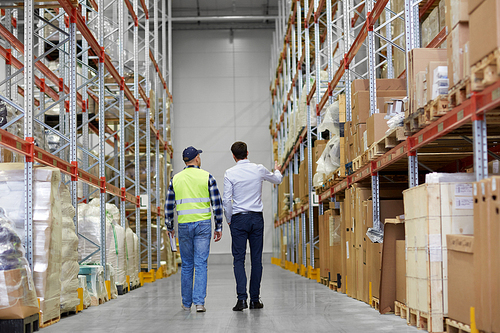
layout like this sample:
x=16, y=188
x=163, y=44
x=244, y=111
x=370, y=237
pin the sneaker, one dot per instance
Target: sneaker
x=185, y=308
x=201, y=308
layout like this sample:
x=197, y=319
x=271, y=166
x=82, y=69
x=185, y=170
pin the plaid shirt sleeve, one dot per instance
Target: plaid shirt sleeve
x=216, y=202
x=170, y=207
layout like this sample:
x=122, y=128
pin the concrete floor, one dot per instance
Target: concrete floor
x=291, y=304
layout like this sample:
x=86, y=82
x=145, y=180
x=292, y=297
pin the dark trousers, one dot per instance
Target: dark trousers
x=249, y=226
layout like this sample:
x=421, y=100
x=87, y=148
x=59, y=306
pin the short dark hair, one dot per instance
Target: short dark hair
x=239, y=150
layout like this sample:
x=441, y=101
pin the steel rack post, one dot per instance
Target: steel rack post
x=412, y=38
x=165, y=95
x=102, y=156
x=121, y=106
x=304, y=250
x=62, y=76
x=388, y=34
x=85, y=111
x=148, y=134
x=317, y=62
x=8, y=70
x=72, y=117
x=329, y=43
x=347, y=45
x=157, y=141
x=480, y=146
x=137, y=135
x=299, y=44
x=29, y=108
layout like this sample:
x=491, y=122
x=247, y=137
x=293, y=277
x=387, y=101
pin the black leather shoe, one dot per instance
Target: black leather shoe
x=242, y=304
x=256, y=304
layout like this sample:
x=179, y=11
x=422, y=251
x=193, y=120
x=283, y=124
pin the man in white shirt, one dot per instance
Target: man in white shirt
x=242, y=201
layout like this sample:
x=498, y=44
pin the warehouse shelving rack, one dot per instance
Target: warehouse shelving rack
x=462, y=132
x=90, y=71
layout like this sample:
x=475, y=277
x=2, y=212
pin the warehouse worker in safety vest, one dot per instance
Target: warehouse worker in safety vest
x=243, y=207
x=191, y=192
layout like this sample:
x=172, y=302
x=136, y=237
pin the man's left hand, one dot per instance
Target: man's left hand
x=217, y=235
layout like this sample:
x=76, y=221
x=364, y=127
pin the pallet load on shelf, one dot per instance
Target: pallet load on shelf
x=329, y=243
x=17, y=295
x=327, y=154
x=441, y=206
x=89, y=227
x=47, y=229
x=133, y=262
x=69, y=257
x=94, y=276
x=484, y=25
x=486, y=254
x=433, y=24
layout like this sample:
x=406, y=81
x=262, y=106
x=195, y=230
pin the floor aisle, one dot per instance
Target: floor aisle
x=291, y=304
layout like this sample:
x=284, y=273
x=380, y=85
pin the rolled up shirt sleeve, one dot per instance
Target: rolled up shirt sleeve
x=215, y=200
x=170, y=207
x=227, y=199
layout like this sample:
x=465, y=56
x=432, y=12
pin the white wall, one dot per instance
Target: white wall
x=221, y=95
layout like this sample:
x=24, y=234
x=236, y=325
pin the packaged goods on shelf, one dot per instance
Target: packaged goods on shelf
x=441, y=206
x=17, y=295
x=47, y=228
x=96, y=287
x=484, y=25
x=439, y=84
x=419, y=60
x=69, y=257
x=456, y=12
x=460, y=274
x=117, y=249
x=486, y=254
x=132, y=262
x=430, y=27
x=457, y=40
x=329, y=161
x=111, y=277
x=137, y=253
x=82, y=283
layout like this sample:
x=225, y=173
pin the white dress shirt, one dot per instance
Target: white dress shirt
x=243, y=187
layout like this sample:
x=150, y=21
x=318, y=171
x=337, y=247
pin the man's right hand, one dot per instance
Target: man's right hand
x=276, y=166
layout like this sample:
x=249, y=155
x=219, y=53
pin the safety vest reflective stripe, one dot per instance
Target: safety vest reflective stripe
x=191, y=200
x=193, y=211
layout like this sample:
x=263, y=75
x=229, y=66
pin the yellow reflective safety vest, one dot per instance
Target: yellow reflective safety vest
x=192, y=197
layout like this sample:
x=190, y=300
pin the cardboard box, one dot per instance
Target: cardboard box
x=18, y=296
x=358, y=139
x=361, y=103
x=494, y=217
x=418, y=61
x=319, y=147
x=376, y=126
x=296, y=186
x=401, y=271
x=484, y=27
x=430, y=76
x=456, y=43
x=420, y=90
x=442, y=15
x=460, y=274
x=381, y=84
x=473, y=4
x=457, y=11
x=466, y=60
x=430, y=27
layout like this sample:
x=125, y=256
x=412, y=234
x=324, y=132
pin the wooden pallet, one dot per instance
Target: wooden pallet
x=376, y=150
x=413, y=123
x=26, y=325
x=417, y=318
x=333, y=286
x=453, y=326
x=357, y=163
x=459, y=93
x=70, y=312
x=375, y=303
x=486, y=71
x=393, y=138
x=43, y=324
x=400, y=309
x=435, y=109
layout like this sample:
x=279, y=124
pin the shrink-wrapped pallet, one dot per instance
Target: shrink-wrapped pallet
x=82, y=283
x=17, y=295
x=95, y=280
x=70, y=267
x=137, y=251
x=117, y=249
x=132, y=267
x=46, y=228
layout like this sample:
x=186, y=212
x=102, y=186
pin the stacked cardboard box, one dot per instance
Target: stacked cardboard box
x=457, y=23
x=487, y=254
x=432, y=211
x=484, y=20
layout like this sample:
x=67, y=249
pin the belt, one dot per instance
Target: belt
x=244, y=213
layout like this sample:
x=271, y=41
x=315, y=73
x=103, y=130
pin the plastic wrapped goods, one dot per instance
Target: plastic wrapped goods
x=132, y=267
x=70, y=267
x=17, y=295
x=137, y=251
x=95, y=283
x=46, y=228
x=117, y=254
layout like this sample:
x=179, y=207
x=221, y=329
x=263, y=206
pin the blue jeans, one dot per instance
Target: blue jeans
x=194, y=244
x=247, y=227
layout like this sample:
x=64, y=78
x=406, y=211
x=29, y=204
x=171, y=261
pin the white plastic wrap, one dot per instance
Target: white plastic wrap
x=111, y=277
x=132, y=269
x=17, y=295
x=69, y=257
x=47, y=228
x=137, y=258
x=95, y=282
x=117, y=254
x=330, y=120
x=329, y=160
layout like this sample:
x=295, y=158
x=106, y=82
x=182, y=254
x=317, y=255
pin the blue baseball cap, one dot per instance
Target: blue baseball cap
x=189, y=153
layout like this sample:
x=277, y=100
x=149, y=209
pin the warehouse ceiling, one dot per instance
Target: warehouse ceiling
x=224, y=14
